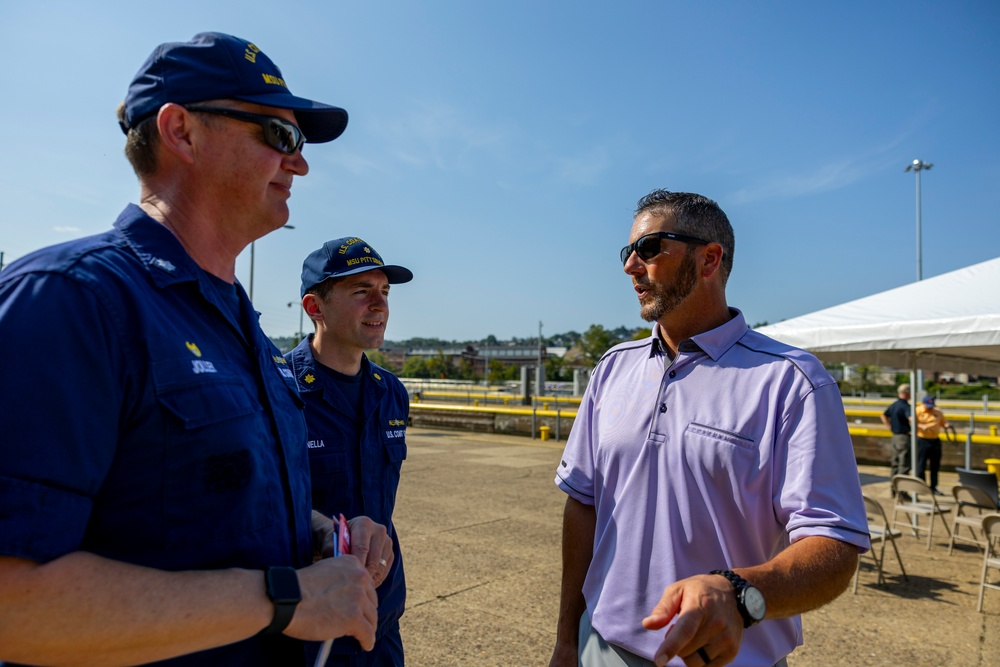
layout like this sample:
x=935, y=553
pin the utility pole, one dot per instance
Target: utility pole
x=540, y=375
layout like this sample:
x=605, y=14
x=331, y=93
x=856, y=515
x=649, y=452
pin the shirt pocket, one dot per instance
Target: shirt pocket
x=394, y=444
x=714, y=437
x=719, y=453
x=221, y=468
x=331, y=487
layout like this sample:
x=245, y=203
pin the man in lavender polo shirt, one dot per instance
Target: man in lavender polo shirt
x=713, y=492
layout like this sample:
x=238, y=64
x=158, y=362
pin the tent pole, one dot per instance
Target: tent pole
x=913, y=417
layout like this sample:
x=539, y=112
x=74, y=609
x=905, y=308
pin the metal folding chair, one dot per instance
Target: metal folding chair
x=968, y=499
x=879, y=530
x=914, y=508
x=980, y=479
x=991, y=557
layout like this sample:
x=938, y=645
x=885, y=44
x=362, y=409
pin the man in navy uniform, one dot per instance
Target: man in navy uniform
x=897, y=418
x=154, y=478
x=356, y=413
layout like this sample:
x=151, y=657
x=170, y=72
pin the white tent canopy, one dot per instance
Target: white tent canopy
x=947, y=323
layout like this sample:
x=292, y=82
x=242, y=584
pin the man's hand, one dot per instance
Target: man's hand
x=371, y=544
x=338, y=599
x=706, y=616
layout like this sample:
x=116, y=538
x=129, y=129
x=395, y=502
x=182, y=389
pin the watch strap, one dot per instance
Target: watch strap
x=282, y=587
x=739, y=585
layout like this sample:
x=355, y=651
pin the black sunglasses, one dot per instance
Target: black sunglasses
x=280, y=134
x=647, y=247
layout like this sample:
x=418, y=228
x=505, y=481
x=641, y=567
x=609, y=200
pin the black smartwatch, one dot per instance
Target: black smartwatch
x=282, y=585
x=749, y=599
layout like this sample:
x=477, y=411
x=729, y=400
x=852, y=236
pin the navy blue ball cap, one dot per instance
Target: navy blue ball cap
x=216, y=66
x=346, y=257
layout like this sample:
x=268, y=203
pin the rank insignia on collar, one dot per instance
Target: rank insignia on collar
x=309, y=378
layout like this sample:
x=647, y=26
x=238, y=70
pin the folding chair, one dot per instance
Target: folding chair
x=980, y=479
x=878, y=528
x=967, y=498
x=915, y=508
x=991, y=558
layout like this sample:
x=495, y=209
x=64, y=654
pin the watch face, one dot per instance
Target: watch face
x=753, y=600
x=283, y=585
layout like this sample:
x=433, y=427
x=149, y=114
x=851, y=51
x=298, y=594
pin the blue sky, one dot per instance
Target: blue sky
x=497, y=148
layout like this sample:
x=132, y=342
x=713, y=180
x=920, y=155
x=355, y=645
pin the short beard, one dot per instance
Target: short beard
x=662, y=299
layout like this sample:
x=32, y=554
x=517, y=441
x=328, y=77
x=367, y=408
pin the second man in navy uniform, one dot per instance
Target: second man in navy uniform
x=356, y=414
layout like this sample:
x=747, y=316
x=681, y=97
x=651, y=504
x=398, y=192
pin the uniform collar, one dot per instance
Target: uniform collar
x=304, y=367
x=715, y=342
x=157, y=248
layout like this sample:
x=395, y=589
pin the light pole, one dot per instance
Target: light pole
x=916, y=374
x=301, y=311
x=252, y=247
x=916, y=167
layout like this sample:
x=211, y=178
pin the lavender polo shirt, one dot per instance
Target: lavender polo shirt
x=719, y=459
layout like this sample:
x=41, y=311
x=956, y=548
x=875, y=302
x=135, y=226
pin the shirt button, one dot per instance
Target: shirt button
x=663, y=407
x=673, y=374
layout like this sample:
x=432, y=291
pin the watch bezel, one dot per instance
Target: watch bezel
x=740, y=589
x=754, y=603
x=282, y=586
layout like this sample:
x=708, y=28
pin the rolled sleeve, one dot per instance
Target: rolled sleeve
x=60, y=415
x=575, y=474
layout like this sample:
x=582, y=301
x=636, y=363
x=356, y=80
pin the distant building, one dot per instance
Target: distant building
x=518, y=355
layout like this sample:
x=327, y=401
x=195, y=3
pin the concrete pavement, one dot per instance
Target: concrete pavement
x=480, y=523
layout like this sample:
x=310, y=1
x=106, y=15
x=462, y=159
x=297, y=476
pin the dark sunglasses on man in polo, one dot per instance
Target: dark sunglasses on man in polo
x=280, y=134
x=648, y=246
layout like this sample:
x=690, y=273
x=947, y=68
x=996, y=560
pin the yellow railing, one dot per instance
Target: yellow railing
x=950, y=416
x=497, y=396
x=570, y=413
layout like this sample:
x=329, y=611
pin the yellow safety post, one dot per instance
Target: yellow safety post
x=544, y=431
x=993, y=465
x=993, y=429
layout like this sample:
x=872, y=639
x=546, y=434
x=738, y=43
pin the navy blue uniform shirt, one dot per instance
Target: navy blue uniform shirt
x=147, y=418
x=372, y=441
x=899, y=417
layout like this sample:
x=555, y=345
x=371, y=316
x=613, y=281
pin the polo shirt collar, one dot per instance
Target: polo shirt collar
x=715, y=342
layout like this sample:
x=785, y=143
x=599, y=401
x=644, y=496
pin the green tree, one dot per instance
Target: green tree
x=380, y=358
x=555, y=369
x=440, y=367
x=501, y=372
x=865, y=379
x=466, y=369
x=643, y=332
x=594, y=342
x=415, y=367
